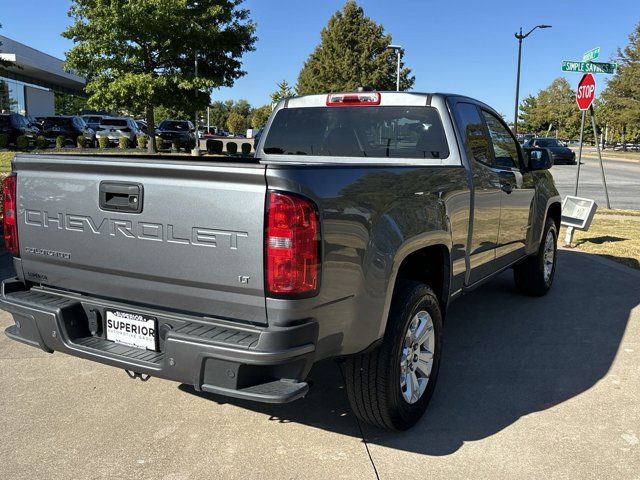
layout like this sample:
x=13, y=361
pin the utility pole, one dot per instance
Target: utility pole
x=196, y=151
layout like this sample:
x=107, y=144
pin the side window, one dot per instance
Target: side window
x=504, y=146
x=472, y=129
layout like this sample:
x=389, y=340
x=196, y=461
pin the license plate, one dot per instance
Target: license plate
x=132, y=329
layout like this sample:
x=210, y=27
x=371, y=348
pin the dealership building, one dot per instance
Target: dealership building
x=32, y=80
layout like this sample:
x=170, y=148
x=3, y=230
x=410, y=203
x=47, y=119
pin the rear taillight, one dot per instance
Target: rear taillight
x=353, y=99
x=9, y=220
x=292, y=246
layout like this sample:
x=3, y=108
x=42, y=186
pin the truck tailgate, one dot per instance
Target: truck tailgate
x=192, y=241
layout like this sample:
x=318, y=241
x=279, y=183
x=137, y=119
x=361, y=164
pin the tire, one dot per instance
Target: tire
x=530, y=275
x=373, y=379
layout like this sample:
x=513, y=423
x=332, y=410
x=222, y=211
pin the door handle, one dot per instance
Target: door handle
x=121, y=197
x=506, y=187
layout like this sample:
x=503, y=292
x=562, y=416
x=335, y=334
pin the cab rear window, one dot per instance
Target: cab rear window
x=360, y=131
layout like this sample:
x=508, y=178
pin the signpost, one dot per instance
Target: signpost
x=585, y=95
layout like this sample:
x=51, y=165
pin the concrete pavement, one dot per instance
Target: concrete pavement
x=623, y=180
x=529, y=388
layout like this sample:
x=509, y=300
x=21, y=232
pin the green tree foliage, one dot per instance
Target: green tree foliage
x=528, y=119
x=260, y=115
x=242, y=107
x=137, y=54
x=219, y=112
x=552, y=109
x=352, y=53
x=621, y=98
x=236, y=123
x=173, y=112
x=67, y=104
x=283, y=91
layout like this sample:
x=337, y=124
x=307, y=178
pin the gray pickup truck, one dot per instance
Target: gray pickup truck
x=361, y=217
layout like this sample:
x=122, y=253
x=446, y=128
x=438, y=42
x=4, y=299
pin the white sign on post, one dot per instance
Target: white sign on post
x=577, y=213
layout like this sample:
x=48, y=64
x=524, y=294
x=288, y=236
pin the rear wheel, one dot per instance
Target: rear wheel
x=391, y=386
x=534, y=276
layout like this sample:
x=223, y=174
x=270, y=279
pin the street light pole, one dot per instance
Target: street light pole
x=398, y=50
x=521, y=37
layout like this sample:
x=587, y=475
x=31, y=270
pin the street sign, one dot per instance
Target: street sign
x=586, y=92
x=591, y=54
x=588, y=67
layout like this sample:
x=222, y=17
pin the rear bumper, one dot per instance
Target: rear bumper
x=261, y=364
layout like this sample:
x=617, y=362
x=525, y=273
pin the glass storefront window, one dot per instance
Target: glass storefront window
x=12, y=95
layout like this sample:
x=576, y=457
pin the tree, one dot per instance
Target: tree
x=553, y=108
x=138, y=54
x=260, y=115
x=529, y=119
x=219, y=112
x=283, y=91
x=67, y=104
x=241, y=107
x=161, y=113
x=621, y=98
x=352, y=53
x=236, y=123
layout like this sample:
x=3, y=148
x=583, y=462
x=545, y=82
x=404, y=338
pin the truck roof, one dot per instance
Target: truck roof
x=387, y=98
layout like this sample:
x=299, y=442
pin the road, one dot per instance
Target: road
x=529, y=388
x=623, y=180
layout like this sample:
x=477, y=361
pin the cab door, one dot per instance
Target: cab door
x=517, y=191
x=484, y=225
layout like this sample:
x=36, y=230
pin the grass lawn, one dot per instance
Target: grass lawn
x=616, y=238
x=629, y=154
x=5, y=161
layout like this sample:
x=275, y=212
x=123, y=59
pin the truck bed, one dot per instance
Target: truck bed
x=191, y=241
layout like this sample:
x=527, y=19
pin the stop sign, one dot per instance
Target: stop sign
x=586, y=93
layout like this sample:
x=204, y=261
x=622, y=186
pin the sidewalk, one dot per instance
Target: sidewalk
x=529, y=388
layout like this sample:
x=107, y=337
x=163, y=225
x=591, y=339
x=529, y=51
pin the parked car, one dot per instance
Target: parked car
x=208, y=132
x=182, y=130
x=33, y=122
x=560, y=153
x=142, y=126
x=69, y=127
x=93, y=121
x=115, y=128
x=15, y=125
x=336, y=240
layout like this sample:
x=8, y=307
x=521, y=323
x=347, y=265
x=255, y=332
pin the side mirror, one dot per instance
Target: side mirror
x=539, y=158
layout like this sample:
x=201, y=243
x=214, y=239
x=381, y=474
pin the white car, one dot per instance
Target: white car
x=116, y=128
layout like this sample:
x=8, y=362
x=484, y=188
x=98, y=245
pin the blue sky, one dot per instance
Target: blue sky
x=458, y=46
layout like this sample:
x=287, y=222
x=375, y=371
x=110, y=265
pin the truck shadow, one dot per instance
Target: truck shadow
x=505, y=356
